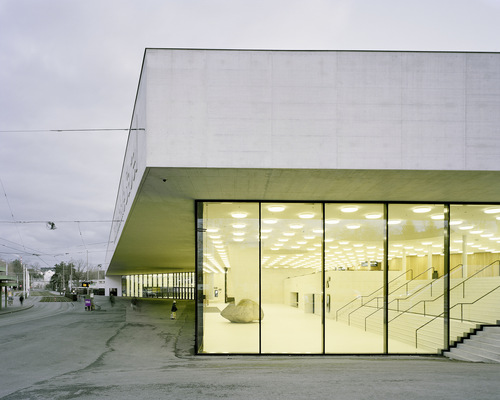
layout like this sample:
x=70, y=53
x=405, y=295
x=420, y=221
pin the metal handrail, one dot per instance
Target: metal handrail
x=451, y=308
x=441, y=295
x=423, y=287
x=414, y=293
x=379, y=308
x=407, y=283
x=474, y=274
x=369, y=295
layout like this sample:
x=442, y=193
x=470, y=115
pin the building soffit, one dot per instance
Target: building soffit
x=159, y=234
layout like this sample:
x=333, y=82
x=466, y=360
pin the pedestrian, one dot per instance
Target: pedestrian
x=133, y=303
x=21, y=299
x=173, y=314
x=112, y=300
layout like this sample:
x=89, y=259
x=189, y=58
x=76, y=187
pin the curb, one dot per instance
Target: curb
x=17, y=310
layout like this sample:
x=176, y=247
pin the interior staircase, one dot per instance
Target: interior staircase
x=416, y=315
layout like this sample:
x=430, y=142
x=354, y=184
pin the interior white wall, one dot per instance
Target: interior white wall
x=113, y=282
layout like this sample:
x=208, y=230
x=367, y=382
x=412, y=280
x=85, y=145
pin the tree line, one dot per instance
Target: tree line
x=66, y=275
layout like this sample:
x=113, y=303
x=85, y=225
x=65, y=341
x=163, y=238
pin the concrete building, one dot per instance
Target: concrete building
x=314, y=202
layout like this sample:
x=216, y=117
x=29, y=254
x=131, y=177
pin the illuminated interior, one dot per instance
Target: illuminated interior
x=323, y=279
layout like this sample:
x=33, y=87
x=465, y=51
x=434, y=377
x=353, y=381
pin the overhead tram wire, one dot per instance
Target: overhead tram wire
x=12, y=214
x=61, y=221
x=69, y=130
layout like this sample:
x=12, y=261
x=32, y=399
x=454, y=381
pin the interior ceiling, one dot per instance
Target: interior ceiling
x=159, y=233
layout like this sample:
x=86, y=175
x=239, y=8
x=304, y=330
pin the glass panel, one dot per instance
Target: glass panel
x=292, y=237
x=474, y=266
x=354, y=278
x=416, y=288
x=230, y=263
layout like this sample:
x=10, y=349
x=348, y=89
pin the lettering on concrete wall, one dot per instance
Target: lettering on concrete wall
x=127, y=181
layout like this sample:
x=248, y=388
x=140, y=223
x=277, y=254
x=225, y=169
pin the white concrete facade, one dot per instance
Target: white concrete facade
x=322, y=110
x=244, y=124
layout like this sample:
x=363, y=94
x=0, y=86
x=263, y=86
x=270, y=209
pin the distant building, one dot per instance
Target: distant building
x=325, y=202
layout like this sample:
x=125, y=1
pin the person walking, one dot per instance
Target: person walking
x=173, y=314
x=21, y=299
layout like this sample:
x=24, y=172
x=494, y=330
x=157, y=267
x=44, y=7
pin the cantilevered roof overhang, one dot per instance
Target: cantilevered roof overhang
x=159, y=233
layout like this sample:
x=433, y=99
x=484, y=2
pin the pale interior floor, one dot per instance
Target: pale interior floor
x=290, y=330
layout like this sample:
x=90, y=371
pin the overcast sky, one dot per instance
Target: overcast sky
x=75, y=64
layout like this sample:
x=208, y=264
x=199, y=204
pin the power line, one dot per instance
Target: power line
x=69, y=130
x=62, y=221
x=12, y=213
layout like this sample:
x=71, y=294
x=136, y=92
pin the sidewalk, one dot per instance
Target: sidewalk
x=16, y=304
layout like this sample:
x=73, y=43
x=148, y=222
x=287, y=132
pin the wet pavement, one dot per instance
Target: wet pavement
x=61, y=351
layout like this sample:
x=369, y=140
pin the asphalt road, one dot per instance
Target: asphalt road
x=60, y=351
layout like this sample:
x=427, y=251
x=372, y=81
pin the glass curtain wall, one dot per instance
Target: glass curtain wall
x=292, y=277
x=364, y=278
x=172, y=285
x=416, y=318
x=354, y=277
x=230, y=261
x=475, y=267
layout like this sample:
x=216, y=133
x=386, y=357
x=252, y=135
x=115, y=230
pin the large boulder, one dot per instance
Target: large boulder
x=245, y=311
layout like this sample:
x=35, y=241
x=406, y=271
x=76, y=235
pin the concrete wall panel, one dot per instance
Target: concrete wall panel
x=306, y=109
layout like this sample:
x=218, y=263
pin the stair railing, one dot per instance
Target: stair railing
x=370, y=295
x=451, y=308
x=379, y=308
x=474, y=274
x=431, y=284
x=441, y=295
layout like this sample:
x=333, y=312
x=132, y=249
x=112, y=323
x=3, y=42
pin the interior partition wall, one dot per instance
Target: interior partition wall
x=343, y=278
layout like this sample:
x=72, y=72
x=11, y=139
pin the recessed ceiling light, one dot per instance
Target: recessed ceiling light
x=421, y=210
x=394, y=221
x=276, y=208
x=437, y=216
x=306, y=215
x=456, y=222
x=239, y=225
x=266, y=230
x=288, y=233
x=353, y=226
x=373, y=215
x=492, y=211
x=349, y=209
x=239, y=214
x=212, y=230
x=238, y=239
x=309, y=237
x=269, y=221
x=332, y=221
x=466, y=227
x=238, y=233
x=296, y=226
x=476, y=232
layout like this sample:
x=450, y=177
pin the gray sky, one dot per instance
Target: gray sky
x=75, y=64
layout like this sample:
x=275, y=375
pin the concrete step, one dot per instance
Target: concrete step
x=483, y=346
